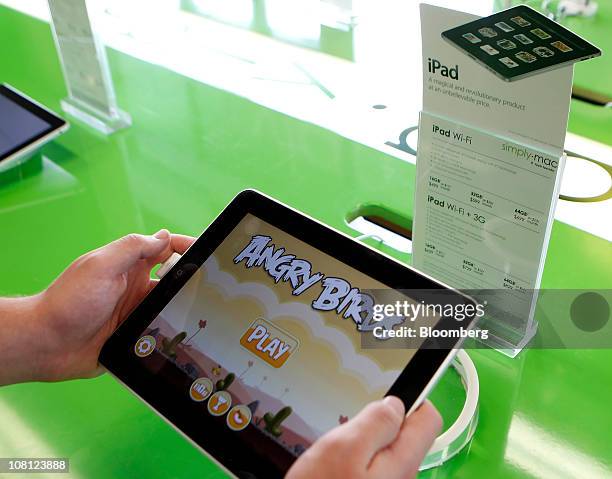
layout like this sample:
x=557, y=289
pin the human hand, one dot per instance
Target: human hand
x=79, y=311
x=380, y=442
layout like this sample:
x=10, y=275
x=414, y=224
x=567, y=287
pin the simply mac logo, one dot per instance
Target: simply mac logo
x=434, y=66
x=535, y=158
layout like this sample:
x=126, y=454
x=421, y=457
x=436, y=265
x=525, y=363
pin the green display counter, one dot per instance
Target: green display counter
x=191, y=148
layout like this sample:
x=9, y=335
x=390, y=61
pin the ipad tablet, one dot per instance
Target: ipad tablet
x=256, y=343
x=519, y=42
x=25, y=125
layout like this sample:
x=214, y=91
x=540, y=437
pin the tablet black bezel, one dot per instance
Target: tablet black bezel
x=54, y=121
x=265, y=458
x=583, y=49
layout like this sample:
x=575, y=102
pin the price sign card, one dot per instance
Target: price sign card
x=489, y=165
x=483, y=212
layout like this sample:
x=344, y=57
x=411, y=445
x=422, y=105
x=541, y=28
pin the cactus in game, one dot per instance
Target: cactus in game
x=273, y=421
x=223, y=384
x=169, y=347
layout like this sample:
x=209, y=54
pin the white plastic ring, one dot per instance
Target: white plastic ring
x=451, y=441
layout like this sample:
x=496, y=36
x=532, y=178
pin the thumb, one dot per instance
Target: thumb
x=120, y=255
x=405, y=455
x=378, y=424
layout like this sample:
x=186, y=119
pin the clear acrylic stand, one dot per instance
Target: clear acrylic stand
x=484, y=208
x=91, y=97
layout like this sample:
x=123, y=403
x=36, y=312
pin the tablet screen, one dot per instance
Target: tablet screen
x=17, y=125
x=266, y=331
x=22, y=121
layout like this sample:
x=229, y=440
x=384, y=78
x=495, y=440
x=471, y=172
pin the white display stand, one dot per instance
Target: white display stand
x=91, y=97
x=458, y=434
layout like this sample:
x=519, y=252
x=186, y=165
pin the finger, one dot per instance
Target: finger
x=403, y=458
x=178, y=244
x=376, y=426
x=120, y=255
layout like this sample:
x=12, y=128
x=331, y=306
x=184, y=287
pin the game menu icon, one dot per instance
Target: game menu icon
x=144, y=346
x=219, y=403
x=239, y=417
x=201, y=389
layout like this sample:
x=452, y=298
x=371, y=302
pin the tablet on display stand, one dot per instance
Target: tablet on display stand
x=25, y=126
